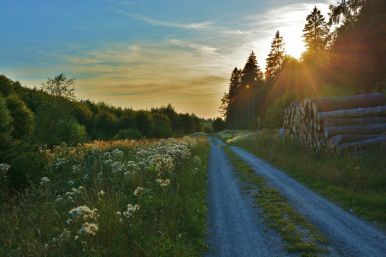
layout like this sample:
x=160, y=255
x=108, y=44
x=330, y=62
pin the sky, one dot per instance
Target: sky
x=146, y=53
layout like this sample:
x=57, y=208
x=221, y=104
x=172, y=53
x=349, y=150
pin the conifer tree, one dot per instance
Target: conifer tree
x=315, y=33
x=275, y=58
x=229, y=101
x=251, y=74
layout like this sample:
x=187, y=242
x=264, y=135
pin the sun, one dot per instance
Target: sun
x=294, y=44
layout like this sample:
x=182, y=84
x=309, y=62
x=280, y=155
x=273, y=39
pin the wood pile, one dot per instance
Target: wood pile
x=339, y=124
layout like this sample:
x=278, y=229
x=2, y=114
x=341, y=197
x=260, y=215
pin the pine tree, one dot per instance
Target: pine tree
x=275, y=58
x=229, y=101
x=251, y=80
x=315, y=33
x=251, y=74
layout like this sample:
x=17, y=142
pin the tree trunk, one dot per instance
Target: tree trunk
x=335, y=122
x=340, y=139
x=354, y=113
x=348, y=102
x=355, y=130
x=359, y=145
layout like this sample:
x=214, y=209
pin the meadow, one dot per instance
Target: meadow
x=111, y=198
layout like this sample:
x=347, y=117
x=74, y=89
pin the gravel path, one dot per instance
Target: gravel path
x=348, y=235
x=235, y=227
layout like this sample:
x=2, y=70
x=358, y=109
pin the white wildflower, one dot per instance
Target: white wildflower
x=138, y=191
x=163, y=182
x=44, y=181
x=83, y=212
x=4, y=167
x=197, y=160
x=70, y=182
x=131, y=209
x=101, y=194
x=88, y=229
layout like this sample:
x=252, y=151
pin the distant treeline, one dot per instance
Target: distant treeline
x=345, y=55
x=50, y=115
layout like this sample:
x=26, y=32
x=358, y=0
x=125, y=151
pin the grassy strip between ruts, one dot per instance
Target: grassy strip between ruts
x=357, y=184
x=300, y=235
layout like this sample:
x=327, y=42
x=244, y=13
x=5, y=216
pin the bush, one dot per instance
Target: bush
x=5, y=130
x=275, y=111
x=23, y=118
x=26, y=167
x=218, y=124
x=162, y=126
x=130, y=133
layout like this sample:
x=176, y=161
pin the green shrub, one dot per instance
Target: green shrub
x=26, y=167
x=130, y=133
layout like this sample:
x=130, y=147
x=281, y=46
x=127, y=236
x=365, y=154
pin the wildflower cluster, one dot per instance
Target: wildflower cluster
x=4, y=169
x=86, y=215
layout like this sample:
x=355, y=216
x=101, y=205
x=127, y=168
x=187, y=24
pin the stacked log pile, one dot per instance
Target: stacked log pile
x=339, y=124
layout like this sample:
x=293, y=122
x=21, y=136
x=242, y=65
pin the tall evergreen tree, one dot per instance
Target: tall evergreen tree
x=251, y=74
x=229, y=101
x=315, y=33
x=275, y=58
x=251, y=80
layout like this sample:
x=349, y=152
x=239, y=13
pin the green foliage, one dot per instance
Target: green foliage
x=218, y=125
x=55, y=124
x=60, y=86
x=315, y=34
x=23, y=118
x=144, y=122
x=275, y=111
x=5, y=130
x=135, y=214
x=28, y=166
x=130, y=133
x=161, y=125
x=275, y=59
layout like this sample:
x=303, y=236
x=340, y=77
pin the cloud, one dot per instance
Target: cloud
x=168, y=24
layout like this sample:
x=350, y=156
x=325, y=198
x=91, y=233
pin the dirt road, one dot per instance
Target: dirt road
x=236, y=228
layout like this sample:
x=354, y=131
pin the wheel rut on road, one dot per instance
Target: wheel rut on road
x=236, y=228
x=348, y=235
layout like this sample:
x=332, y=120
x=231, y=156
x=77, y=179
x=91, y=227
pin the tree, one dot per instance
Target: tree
x=5, y=130
x=251, y=80
x=275, y=59
x=251, y=74
x=315, y=33
x=229, y=101
x=161, y=125
x=60, y=86
x=55, y=124
x=23, y=118
x=144, y=122
x=218, y=124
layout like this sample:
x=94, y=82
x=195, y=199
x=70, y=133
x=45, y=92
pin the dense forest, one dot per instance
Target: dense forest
x=345, y=54
x=51, y=115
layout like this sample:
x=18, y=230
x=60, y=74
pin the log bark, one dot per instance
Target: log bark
x=347, y=102
x=354, y=113
x=340, y=139
x=356, y=130
x=359, y=145
x=335, y=122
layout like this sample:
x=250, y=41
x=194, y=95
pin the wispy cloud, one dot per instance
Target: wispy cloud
x=168, y=24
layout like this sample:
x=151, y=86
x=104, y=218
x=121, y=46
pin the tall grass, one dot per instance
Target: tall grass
x=357, y=184
x=112, y=199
